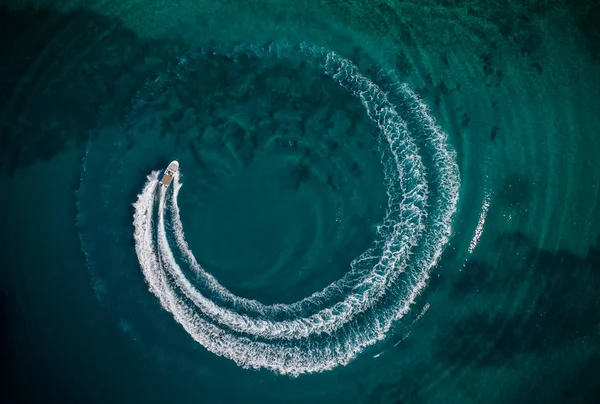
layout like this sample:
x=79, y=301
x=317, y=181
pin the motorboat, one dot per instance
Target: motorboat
x=169, y=173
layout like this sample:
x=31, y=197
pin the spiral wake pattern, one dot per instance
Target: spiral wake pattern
x=329, y=327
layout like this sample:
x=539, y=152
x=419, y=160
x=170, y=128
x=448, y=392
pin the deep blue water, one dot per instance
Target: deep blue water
x=380, y=202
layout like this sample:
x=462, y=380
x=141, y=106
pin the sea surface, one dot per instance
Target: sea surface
x=377, y=202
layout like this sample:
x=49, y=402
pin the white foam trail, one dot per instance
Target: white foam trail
x=402, y=339
x=322, y=340
x=479, y=229
x=422, y=313
x=396, y=248
x=144, y=240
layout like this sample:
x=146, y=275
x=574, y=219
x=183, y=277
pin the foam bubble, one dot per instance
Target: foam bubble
x=480, y=223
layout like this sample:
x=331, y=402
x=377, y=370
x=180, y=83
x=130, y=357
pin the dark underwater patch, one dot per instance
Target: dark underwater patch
x=4, y=327
x=494, y=132
x=560, y=295
x=52, y=93
x=403, y=64
x=465, y=120
x=589, y=24
x=515, y=190
x=559, y=299
x=300, y=174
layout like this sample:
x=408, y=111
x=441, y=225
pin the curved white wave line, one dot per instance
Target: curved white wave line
x=449, y=179
x=378, y=111
x=479, y=229
x=298, y=359
x=445, y=161
x=144, y=240
x=396, y=251
x=290, y=360
x=246, y=353
x=233, y=319
x=422, y=313
x=291, y=329
x=449, y=176
x=324, y=321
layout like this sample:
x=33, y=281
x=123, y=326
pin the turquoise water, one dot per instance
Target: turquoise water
x=377, y=202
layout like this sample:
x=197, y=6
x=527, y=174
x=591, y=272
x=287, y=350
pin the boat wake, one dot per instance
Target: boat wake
x=350, y=314
x=330, y=327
